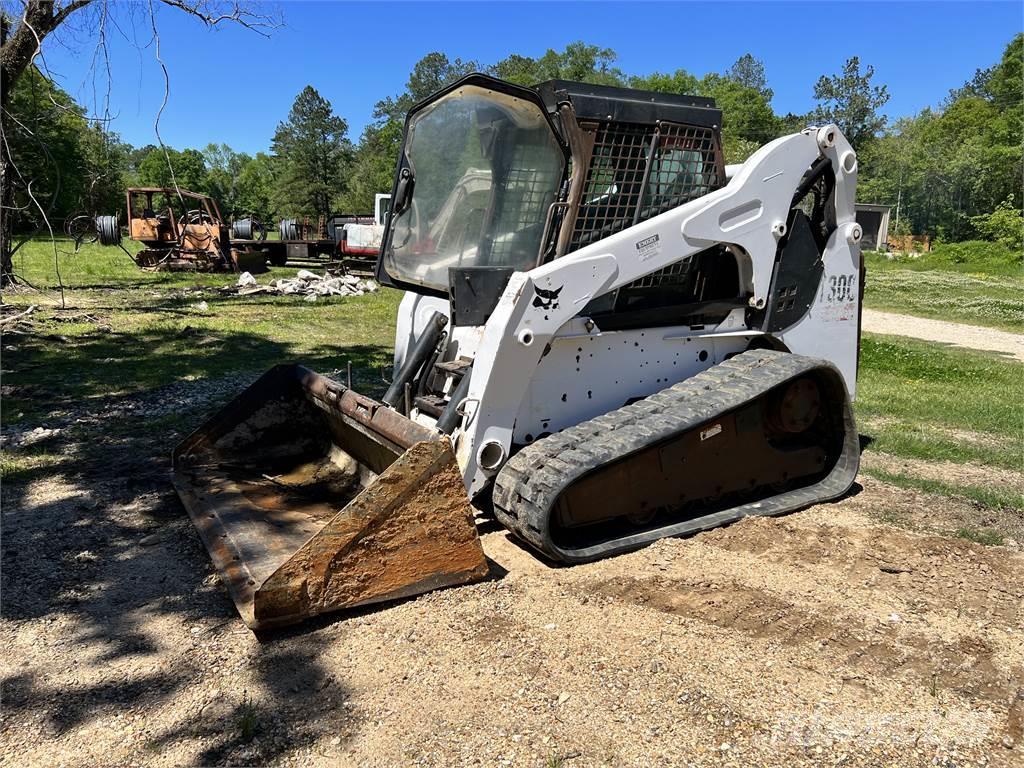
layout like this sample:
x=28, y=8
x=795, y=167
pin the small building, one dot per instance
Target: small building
x=874, y=221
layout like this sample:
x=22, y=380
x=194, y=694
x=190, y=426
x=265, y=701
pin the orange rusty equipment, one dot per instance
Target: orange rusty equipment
x=181, y=230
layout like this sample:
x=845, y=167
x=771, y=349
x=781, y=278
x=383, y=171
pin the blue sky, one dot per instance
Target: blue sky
x=233, y=86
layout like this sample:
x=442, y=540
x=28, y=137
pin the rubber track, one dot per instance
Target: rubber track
x=529, y=484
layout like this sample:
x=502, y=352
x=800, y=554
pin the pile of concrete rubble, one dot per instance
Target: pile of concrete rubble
x=305, y=283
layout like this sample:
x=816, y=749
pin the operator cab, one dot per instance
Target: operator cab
x=541, y=172
x=488, y=206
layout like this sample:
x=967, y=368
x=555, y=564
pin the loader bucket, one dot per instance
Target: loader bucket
x=312, y=498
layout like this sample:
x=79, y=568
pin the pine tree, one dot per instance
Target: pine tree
x=313, y=153
x=851, y=102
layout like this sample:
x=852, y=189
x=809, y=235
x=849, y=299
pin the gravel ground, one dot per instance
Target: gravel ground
x=822, y=638
x=956, y=334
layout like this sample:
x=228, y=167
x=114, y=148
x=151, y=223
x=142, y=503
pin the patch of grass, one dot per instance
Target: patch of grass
x=247, y=718
x=989, y=497
x=990, y=298
x=986, y=536
x=970, y=257
x=22, y=468
x=144, y=341
x=97, y=266
x=921, y=396
x=906, y=437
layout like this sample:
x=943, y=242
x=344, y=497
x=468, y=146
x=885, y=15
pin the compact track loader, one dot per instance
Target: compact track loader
x=608, y=336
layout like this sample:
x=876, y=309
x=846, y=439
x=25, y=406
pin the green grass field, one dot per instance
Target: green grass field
x=96, y=266
x=925, y=398
x=991, y=293
x=980, y=294
x=127, y=331
x=918, y=400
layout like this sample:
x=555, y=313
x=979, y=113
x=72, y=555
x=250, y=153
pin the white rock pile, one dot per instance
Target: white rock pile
x=305, y=283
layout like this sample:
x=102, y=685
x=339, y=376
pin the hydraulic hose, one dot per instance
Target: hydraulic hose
x=417, y=356
x=451, y=416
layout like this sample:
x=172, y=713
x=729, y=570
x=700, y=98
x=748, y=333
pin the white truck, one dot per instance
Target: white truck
x=359, y=243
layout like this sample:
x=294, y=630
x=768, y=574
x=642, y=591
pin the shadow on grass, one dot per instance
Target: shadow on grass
x=49, y=373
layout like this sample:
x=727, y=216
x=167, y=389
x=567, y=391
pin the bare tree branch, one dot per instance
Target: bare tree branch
x=163, y=103
x=44, y=212
x=239, y=14
x=67, y=10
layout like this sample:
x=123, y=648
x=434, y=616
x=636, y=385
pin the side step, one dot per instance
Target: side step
x=532, y=490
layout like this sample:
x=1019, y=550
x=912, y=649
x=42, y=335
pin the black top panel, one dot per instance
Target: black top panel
x=629, y=105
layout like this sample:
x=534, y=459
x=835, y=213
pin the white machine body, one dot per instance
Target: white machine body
x=540, y=364
x=517, y=391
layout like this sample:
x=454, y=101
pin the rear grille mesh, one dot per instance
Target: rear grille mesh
x=639, y=171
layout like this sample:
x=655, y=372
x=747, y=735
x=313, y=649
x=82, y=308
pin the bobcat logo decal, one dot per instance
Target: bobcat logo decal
x=546, y=299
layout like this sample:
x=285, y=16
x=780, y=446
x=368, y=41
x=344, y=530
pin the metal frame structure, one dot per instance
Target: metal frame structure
x=192, y=239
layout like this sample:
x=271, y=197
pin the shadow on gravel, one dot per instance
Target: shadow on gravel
x=297, y=704
x=100, y=556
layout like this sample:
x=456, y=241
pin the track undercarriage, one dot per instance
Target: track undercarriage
x=761, y=434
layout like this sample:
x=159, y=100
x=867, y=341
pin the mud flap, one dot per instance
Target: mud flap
x=311, y=498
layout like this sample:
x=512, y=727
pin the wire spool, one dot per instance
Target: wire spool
x=109, y=230
x=289, y=229
x=248, y=229
x=241, y=229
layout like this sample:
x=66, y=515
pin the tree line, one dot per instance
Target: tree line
x=952, y=171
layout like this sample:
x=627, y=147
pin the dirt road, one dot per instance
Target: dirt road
x=822, y=638
x=955, y=334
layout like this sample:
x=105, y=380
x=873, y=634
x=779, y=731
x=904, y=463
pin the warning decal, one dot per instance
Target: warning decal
x=648, y=247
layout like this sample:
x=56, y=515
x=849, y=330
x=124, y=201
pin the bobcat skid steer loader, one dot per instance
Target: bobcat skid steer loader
x=607, y=337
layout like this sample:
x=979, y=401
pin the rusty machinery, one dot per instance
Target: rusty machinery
x=181, y=231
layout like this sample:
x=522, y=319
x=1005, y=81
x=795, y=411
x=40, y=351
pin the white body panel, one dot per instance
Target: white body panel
x=533, y=372
x=381, y=201
x=587, y=374
x=831, y=327
x=414, y=312
x=368, y=237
